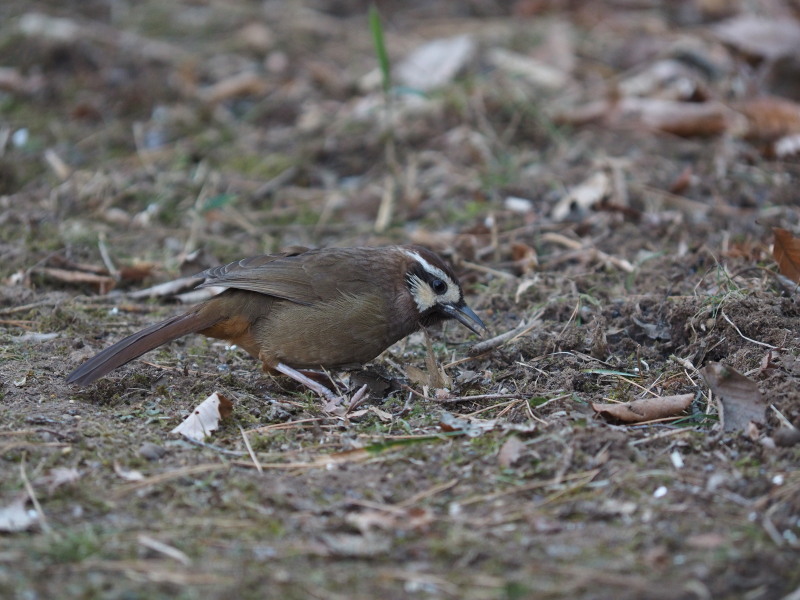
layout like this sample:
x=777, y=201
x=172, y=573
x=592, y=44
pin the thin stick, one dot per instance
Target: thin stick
x=505, y=338
x=106, y=256
x=250, y=450
x=32, y=495
x=743, y=336
x=427, y=493
x=463, y=398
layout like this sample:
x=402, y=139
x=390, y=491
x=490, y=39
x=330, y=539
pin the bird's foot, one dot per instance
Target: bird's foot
x=311, y=384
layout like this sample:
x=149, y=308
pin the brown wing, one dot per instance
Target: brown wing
x=302, y=276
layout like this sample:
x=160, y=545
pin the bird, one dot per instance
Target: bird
x=306, y=309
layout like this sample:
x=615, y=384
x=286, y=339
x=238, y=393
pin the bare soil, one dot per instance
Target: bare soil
x=119, y=134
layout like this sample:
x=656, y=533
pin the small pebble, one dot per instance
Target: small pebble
x=151, y=451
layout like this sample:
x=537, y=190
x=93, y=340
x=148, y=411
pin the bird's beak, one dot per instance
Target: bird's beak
x=466, y=316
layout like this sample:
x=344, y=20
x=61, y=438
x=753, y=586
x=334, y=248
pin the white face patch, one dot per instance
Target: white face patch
x=423, y=294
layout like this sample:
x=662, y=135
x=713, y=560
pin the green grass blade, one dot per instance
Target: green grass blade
x=380, y=47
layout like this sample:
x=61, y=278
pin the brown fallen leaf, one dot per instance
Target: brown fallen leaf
x=786, y=252
x=510, y=452
x=236, y=86
x=769, y=118
x=685, y=119
x=740, y=399
x=205, y=418
x=645, y=409
x=59, y=476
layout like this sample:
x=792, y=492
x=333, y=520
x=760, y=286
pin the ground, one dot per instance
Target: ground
x=145, y=141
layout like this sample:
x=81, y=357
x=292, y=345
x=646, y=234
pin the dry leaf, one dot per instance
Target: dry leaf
x=16, y=517
x=740, y=398
x=583, y=197
x=162, y=548
x=535, y=71
x=205, y=418
x=788, y=145
x=353, y=545
x=510, y=452
x=764, y=38
x=645, y=409
x=435, y=63
x=786, y=252
x=770, y=118
x=58, y=477
x=236, y=86
x=392, y=518
x=686, y=119
x=126, y=474
x=524, y=257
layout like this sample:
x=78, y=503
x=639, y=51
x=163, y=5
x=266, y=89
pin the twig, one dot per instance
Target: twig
x=24, y=307
x=32, y=495
x=743, y=336
x=505, y=338
x=487, y=270
x=411, y=501
x=463, y=398
x=250, y=450
x=784, y=421
x=104, y=254
x=213, y=447
x=169, y=475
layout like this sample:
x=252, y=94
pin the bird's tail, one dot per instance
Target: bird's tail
x=140, y=342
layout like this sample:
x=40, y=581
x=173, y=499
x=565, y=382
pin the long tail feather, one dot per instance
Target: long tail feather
x=140, y=342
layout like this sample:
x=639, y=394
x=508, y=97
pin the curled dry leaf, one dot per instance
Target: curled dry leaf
x=524, y=257
x=770, y=118
x=126, y=474
x=740, y=398
x=686, y=119
x=16, y=516
x=582, y=198
x=436, y=63
x=645, y=409
x=58, y=477
x=786, y=252
x=205, y=418
x=510, y=452
x=236, y=86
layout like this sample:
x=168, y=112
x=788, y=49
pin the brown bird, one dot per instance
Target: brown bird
x=334, y=308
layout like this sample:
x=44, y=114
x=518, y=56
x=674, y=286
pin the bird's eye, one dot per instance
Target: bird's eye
x=439, y=286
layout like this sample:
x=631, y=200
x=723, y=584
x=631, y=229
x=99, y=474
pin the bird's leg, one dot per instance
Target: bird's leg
x=314, y=386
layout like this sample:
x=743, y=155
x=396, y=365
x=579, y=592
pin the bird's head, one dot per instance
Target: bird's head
x=435, y=290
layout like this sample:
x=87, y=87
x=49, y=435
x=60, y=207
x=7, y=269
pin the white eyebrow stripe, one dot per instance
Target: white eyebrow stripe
x=426, y=265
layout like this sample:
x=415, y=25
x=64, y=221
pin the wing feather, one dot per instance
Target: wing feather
x=301, y=275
